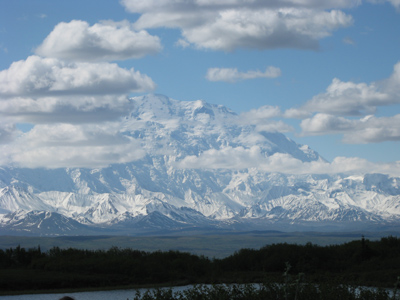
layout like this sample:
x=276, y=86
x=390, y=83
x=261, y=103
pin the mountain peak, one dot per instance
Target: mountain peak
x=161, y=108
x=192, y=127
x=195, y=174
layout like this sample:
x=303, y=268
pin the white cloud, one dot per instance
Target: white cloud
x=241, y=158
x=40, y=90
x=264, y=112
x=369, y=129
x=139, y=6
x=182, y=43
x=348, y=98
x=233, y=75
x=232, y=24
x=395, y=3
x=225, y=158
x=333, y=112
x=374, y=130
x=65, y=109
x=106, y=41
x=66, y=145
x=266, y=29
x=296, y=113
x=261, y=118
x=71, y=103
x=8, y=132
x=352, y=99
x=326, y=124
x=391, y=85
x=48, y=76
x=276, y=126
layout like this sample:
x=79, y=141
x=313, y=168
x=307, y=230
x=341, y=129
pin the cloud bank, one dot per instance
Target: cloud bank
x=64, y=109
x=67, y=145
x=105, y=41
x=248, y=158
x=347, y=108
x=38, y=76
x=354, y=99
x=263, y=119
x=72, y=94
x=40, y=90
x=366, y=130
x=231, y=24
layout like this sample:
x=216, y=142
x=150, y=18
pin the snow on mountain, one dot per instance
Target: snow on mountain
x=14, y=198
x=42, y=223
x=154, y=194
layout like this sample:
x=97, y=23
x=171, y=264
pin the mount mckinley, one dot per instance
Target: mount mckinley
x=199, y=170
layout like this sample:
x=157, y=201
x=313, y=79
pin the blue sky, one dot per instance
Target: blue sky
x=331, y=67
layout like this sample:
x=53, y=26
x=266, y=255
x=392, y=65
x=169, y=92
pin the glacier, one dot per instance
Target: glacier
x=169, y=190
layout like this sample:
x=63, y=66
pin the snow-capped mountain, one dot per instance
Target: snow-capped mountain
x=170, y=189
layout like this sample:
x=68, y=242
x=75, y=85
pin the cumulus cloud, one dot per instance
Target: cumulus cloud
x=105, y=41
x=264, y=112
x=233, y=75
x=261, y=118
x=352, y=99
x=247, y=158
x=296, y=113
x=369, y=129
x=348, y=98
x=70, y=97
x=374, y=130
x=66, y=145
x=64, y=109
x=391, y=85
x=225, y=158
x=326, y=124
x=8, y=132
x=266, y=29
x=37, y=76
x=139, y=6
x=230, y=24
x=348, y=109
x=40, y=90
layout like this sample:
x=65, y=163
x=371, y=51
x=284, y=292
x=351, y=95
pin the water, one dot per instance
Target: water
x=106, y=295
x=98, y=295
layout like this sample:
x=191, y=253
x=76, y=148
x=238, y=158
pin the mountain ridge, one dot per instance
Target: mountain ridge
x=161, y=191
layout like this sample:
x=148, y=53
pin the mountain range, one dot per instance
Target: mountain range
x=187, y=180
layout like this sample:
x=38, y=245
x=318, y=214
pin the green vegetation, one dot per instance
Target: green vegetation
x=359, y=263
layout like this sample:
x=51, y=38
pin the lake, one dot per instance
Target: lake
x=97, y=295
x=114, y=295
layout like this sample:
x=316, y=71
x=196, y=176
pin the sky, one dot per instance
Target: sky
x=327, y=73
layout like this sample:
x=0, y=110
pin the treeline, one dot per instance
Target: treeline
x=361, y=262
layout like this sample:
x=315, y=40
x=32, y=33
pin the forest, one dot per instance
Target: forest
x=360, y=263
